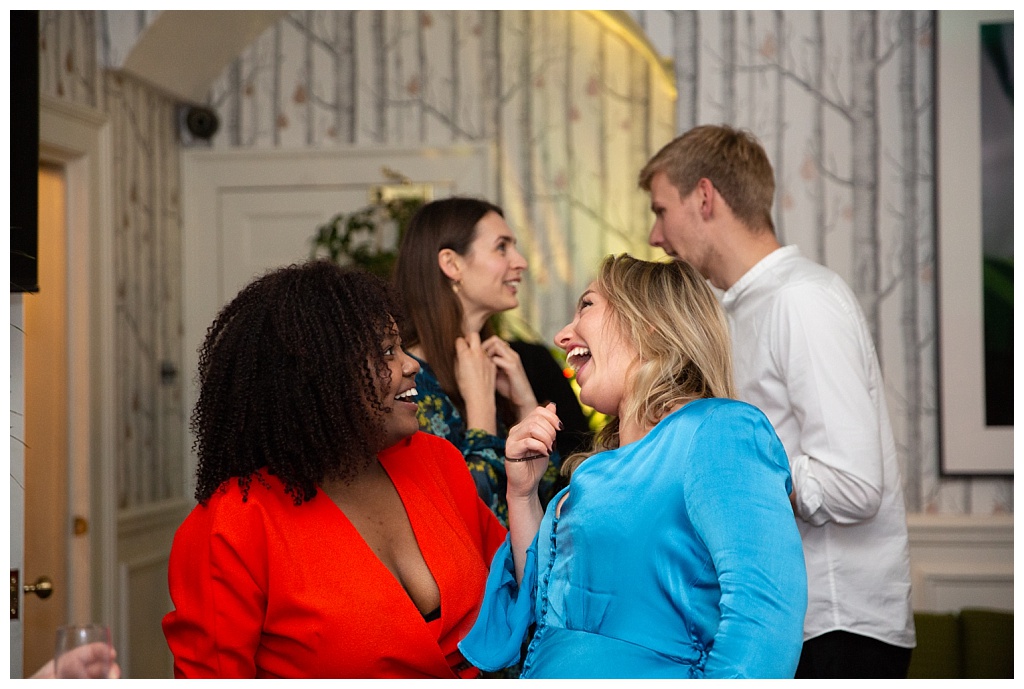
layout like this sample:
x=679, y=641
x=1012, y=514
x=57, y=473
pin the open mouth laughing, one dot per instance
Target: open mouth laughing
x=577, y=357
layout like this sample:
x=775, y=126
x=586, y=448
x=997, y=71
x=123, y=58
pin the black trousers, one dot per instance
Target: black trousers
x=844, y=655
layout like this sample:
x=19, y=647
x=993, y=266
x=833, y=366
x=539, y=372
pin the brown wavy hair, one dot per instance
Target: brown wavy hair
x=284, y=381
x=433, y=311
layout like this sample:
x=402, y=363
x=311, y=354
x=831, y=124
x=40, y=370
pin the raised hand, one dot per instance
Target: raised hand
x=511, y=381
x=527, y=449
x=475, y=374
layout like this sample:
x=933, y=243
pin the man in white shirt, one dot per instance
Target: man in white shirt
x=803, y=354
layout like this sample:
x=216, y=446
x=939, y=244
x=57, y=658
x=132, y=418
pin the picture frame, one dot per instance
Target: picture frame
x=969, y=446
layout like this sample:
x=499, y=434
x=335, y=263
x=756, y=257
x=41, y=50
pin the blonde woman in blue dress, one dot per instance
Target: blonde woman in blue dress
x=673, y=551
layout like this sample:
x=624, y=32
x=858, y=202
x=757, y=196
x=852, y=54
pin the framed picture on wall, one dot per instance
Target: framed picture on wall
x=974, y=217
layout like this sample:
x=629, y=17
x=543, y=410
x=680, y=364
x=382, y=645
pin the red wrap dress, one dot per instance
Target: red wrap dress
x=265, y=588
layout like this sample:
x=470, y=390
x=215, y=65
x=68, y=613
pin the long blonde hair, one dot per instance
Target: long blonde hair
x=668, y=311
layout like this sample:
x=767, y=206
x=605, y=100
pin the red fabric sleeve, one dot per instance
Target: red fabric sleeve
x=217, y=578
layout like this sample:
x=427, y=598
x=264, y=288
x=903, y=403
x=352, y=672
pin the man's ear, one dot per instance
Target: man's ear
x=706, y=197
x=450, y=264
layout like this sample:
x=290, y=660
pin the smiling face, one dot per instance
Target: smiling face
x=398, y=392
x=599, y=352
x=489, y=273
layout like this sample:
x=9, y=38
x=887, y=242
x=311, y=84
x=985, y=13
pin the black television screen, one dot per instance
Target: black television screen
x=24, y=150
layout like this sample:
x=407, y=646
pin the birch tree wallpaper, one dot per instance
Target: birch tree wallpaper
x=572, y=106
x=574, y=103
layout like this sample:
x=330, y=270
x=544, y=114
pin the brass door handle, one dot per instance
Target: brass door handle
x=42, y=588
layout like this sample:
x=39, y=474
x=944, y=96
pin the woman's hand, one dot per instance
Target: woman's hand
x=532, y=438
x=511, y=381
x=526, y=459
x=475, y=374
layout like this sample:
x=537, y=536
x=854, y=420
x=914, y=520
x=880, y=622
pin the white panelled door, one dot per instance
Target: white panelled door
x=263, y=229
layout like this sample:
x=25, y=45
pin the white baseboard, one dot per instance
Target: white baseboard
x=961, y=561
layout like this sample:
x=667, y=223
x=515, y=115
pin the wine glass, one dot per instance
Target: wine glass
x=83, y=651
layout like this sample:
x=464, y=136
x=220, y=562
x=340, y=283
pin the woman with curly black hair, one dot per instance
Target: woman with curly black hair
x=332, y=538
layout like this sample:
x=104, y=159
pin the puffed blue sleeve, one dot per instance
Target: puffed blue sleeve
x=507, y=611
x=737, y=500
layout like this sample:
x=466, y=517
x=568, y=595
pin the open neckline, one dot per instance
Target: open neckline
x=412, y=525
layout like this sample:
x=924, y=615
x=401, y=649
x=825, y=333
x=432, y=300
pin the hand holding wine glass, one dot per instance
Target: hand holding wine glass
x=82, y=652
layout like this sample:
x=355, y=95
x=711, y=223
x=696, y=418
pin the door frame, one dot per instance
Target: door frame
x=17, y=492
x=77, y=139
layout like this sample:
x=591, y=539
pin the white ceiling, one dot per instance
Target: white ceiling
x=183, y=51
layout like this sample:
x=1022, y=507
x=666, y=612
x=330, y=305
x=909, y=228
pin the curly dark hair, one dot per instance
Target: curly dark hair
x=288, y=379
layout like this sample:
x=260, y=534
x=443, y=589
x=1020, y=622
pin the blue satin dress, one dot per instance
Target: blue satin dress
x=676, y=556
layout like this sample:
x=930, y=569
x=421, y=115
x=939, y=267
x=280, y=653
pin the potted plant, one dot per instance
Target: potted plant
x=367, y=237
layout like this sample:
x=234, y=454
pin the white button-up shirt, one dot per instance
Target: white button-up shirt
x=803, y=354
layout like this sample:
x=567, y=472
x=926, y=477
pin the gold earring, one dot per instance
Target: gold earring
x=456, y=284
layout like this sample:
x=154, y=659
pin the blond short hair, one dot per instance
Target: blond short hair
x=734, y=161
